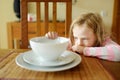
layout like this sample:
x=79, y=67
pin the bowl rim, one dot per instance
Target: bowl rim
x=32, y=40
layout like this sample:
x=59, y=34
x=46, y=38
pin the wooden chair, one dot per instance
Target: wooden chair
x=24, y=22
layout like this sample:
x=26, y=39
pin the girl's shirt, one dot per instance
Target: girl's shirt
x=109, y=51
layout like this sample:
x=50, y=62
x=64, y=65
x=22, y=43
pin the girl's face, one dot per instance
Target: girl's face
x=84, y=36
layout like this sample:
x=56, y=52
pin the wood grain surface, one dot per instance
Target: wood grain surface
x=89, y=69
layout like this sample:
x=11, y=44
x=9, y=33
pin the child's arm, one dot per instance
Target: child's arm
x=110, y=51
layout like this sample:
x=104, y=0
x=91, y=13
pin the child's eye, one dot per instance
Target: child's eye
x=75, y=38
x=85, y=39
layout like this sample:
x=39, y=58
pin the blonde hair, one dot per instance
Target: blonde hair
x=94, y=22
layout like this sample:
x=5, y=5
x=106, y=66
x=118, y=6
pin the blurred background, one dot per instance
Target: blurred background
x=7, y=14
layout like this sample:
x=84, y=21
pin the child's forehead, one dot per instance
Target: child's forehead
x=80, y=28
x=82, y=31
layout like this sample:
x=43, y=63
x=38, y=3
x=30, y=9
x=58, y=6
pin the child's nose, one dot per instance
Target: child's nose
x=80, y=42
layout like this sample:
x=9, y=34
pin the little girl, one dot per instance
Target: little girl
x=87, y=37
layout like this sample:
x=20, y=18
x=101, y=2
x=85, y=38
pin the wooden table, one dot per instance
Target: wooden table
x=89, y=69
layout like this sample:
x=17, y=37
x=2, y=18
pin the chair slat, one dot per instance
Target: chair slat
x=46, y=17
x=54, y=16
x=24, y=26
x=68, y=17
x=38, y=11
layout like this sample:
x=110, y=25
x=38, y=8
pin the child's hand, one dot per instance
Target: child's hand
x=77, y=48
x=52, y=35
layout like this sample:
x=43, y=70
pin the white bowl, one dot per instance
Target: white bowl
x=48, y=49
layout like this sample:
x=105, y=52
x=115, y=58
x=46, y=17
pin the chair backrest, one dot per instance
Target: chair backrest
x=24, y=21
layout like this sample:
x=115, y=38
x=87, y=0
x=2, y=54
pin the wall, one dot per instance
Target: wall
x=7, y=13
x=101, y=6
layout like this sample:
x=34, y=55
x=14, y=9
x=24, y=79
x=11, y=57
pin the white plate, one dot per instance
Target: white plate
x=65, y=58
x=20, y=62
